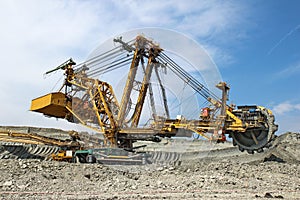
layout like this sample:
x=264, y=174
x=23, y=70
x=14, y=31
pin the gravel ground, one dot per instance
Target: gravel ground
x=221, y=175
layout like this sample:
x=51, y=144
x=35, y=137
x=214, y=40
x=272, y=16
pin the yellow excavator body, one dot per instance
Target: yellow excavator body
x=95, y=105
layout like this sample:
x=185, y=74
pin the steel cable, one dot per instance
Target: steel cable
x=105, y=65
x=110, y=66
x=185, y=76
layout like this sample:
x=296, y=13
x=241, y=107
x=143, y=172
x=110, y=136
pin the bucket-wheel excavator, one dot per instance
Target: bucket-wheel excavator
x=93, y=103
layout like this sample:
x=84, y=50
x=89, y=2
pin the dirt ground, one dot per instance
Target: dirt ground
x=220, y=173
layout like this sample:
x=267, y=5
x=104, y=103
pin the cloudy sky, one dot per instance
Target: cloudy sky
x=254, y=44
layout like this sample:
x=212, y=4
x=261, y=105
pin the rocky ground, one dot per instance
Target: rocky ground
x=216, y=174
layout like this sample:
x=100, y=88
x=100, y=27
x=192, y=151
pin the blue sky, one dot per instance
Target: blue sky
x=254, y=44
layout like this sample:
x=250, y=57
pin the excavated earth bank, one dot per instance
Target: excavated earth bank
x=213, y=172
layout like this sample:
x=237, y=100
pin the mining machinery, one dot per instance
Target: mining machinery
x=33, y=138
x=92, y=102
x=66, y=147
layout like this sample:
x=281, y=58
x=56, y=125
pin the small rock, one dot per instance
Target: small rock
x=268, y=195
x=49, y=176
x=8, y=183
x=21, y=186
x=134, y=187
x=88, y=176
x=171, y=168
x=160, y=169
x=23, y=166
x=279, y=197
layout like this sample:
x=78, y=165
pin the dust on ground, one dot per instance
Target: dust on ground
x=216, y=174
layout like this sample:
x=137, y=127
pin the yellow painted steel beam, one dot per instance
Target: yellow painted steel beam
x=129, y=85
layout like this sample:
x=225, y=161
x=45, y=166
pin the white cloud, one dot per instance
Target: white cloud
x=287, y=116
x=286, y=107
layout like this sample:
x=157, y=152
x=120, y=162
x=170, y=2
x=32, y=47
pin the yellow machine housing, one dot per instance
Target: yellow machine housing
x=53, y=105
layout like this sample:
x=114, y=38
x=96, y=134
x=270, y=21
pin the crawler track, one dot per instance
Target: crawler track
x=10, y=150
x=165, y=158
